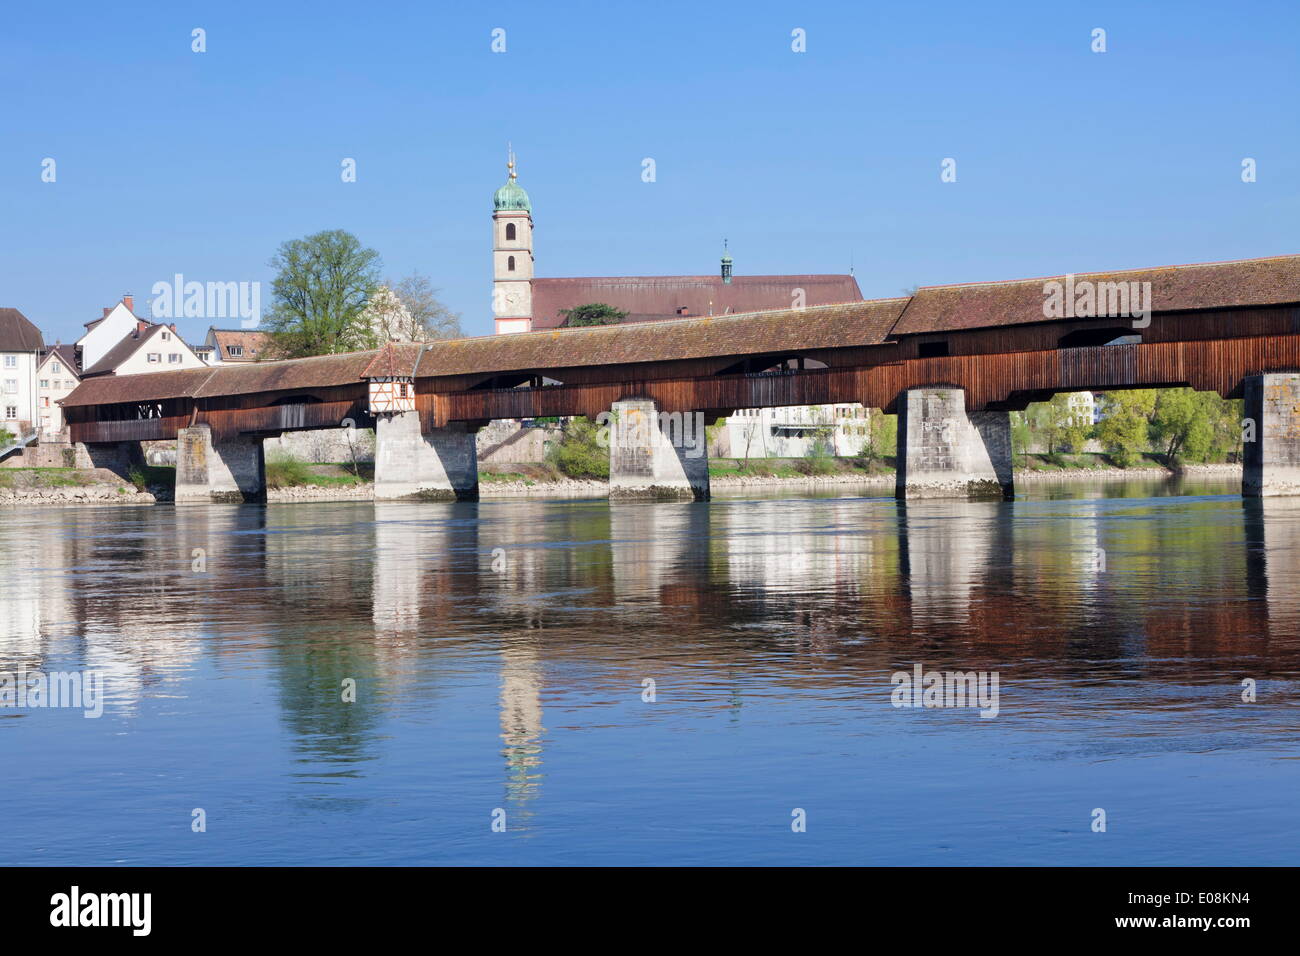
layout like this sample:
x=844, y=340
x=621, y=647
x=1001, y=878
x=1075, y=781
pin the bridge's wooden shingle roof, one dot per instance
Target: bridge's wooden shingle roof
x=291, y=375
x=835, y=326
x=1210, y=285
x=829, y=326
x=933, y=309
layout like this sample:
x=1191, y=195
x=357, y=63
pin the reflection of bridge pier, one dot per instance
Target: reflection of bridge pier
x=946, y=549
x=1273, y=560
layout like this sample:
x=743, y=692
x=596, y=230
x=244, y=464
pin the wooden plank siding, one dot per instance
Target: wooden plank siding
x=1007, y=380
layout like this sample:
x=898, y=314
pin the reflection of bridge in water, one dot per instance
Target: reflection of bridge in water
x=593, y=597
x=950, y=360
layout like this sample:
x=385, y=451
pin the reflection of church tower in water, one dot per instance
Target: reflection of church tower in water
x=512, y=256
x=521, y=718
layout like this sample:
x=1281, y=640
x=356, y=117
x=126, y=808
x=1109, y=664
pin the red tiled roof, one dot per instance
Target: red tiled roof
x=252, y=343
x=660, y=297
x=1209, y=285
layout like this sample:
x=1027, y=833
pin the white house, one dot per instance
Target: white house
x=795, y=431
x=56, y=376
x=108, y=330
x=20, y=350
x=148, y=348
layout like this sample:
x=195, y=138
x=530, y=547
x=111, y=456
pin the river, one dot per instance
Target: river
x=580, y=682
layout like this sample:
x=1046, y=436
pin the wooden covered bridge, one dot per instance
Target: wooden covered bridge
x=950, y=360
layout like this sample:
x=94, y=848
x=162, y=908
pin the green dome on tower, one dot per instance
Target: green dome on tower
x=511, y=196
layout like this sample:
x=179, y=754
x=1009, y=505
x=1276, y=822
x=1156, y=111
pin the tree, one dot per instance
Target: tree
x=594, y=313
x=429, y=317
x=1194, y=426
x=319, y=295
x=1124, y=429
x=882, y=437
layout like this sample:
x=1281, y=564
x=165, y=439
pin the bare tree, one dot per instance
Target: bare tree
x=429, y=318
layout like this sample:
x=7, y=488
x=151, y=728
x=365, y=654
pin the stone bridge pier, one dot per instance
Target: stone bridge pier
x=655, y=455
x=946, y=452
x=232, y=470
x=118, y=456
x=437, y=465
x=1271, y=456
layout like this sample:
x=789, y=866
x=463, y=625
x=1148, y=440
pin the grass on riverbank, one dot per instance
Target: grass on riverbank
x=1085, y=462
x=48, y=478
x=795, y=468
x=285, y=471
x=536, y=474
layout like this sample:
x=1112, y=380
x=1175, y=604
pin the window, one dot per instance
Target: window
x=510, y=264
x=45, y=383
x=510, y=230
x=173, y=357
x=11, y=386
x=11, y=361
x=155, y=357
x=234, y=350
x=11, y=412
x=56, y=368
x=401, y=390
x=166, y=336
x=45, y=401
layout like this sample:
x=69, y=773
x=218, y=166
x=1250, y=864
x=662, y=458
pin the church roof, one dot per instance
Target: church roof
x=511, y=196
x=648, y=298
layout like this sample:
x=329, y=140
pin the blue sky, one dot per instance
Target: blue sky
x=1067, y=160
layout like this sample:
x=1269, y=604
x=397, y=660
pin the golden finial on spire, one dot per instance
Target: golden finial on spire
x=510, y=160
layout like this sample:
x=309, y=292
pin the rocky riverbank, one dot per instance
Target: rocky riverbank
x=41, y=487
x=76, y=495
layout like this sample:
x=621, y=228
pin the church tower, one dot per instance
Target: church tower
x=512, y=256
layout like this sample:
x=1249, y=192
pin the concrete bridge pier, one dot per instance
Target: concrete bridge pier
x=657, y=455
x=233, y=470
x=1271, y=461
x=116, y=456
x=946, y=452
x=438, y=465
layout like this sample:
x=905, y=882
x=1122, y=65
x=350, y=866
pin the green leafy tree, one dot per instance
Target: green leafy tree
x=1190, y=426
x=319, y=295
x=594, y=313
x=882, y=437
x=1124, y=430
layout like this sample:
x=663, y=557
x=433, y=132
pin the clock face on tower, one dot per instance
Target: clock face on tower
x=513, y=299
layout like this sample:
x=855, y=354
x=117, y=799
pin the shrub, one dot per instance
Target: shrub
x=135, y=474
x=580, y=454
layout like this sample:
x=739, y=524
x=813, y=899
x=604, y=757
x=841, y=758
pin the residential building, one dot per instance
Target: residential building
x=147, y=348
x=56, y=376
x=108, y=330
x=234, y=345
x=21, y=345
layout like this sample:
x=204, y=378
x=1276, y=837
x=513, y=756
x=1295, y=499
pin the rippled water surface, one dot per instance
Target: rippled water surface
x=501, y=653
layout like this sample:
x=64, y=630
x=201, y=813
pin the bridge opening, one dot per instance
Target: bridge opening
x=937, y=349
x=516, y=380
x=772, y=365
x=1084, y=338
